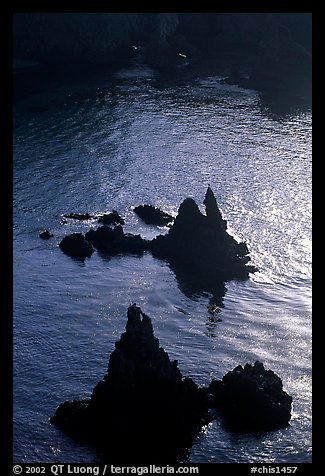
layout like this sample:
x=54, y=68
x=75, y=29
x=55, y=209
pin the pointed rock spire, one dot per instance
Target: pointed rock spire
x=211, y=209
x=144, y=399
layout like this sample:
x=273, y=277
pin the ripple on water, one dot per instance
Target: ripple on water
x=118, y=142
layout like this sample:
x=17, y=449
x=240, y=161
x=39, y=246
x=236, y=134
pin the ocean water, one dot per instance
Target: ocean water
x=131, y=137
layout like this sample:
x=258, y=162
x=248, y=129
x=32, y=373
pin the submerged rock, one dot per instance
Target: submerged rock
x=143, y=408
x=113, y=241
x=152, y=215
x=251, y=398
x=112, y=218
x=77, y=246
x=79, y=216
x=46, y=235
x=201, y=243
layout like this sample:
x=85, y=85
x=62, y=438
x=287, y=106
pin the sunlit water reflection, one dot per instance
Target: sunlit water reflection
x=115, y=143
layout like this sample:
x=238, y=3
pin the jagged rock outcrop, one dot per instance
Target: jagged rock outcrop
x=251, y=398
x=201, y=243
x=112, y=241
x=112, y=218
x=152, y=215
x=76, y=245
x=46, y=235
x=197, y=247
x=79, y=216
x=143, y=408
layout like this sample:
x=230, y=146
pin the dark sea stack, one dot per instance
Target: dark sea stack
x=143, y=410
x=112, y=241
x=46, y=235
x=251, y=398
x=201, y=243
x=77, y=246
x=79, y=216
x=197, y=247
x=152, y=215
x=112, y=218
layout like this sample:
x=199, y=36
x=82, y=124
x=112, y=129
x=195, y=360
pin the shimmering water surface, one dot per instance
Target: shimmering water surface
x=130, y=138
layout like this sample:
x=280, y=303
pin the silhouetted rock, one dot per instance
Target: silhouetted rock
x=112, y=241
x=112, y=218
x=79, y=216
x=197, y=247
x=77, y=246
x=152, y=215
x=46, y=234
x=251, y=398
x=201, y=244
x=143, y=409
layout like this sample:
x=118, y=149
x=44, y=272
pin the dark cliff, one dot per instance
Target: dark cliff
x=99, y=37
x=73, y=38
x=265, y=51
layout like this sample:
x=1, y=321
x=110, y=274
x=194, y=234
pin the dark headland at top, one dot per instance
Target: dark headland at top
x=270, y=52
